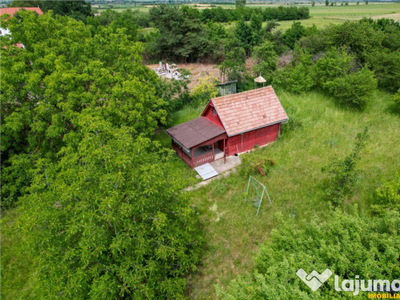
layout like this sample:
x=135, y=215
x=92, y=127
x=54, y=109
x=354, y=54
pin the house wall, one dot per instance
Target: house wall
x=259, y=137
x=208, y=113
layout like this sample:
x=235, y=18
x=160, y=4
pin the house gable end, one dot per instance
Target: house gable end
x=211, y=113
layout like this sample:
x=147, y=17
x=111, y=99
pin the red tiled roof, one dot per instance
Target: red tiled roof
x=249, y=110
x=12, y=10
x=195, y=132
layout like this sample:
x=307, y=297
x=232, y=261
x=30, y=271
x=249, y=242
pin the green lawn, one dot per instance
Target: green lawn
x=234, y=233
x=323, y=16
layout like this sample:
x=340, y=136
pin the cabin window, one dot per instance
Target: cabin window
x=214, y=112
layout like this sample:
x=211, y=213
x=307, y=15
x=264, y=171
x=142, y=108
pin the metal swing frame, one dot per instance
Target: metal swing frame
x=258, y=197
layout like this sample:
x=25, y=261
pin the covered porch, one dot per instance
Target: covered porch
x=198, y=141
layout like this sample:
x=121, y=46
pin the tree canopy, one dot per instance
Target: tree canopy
x=100, y=214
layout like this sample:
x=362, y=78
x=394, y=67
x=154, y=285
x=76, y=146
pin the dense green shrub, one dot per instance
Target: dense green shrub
x=293, y=34
x=255, y=163
x=347, y=244
x=334, y=64
x=353, y=89
x=298, y=78
x=360, y=38
x=386, y=66
x=387, y=196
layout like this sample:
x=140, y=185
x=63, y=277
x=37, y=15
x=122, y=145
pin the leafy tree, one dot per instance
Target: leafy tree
x=240, y=3
x=62, y=71
x=233, y=66
x=293, y=34
x=243, y=34
x=181, y=35
x=326, y=2
x=107, y=220
x=255, y=25
x=217, y=36
x=266, y=60
x=99, y=212
x=312, y=3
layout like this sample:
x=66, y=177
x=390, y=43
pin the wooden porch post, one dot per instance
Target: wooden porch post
x=213, y=150
x=191, y=150
x=224, y=151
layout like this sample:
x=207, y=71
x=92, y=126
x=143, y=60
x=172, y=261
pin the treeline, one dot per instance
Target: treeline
x=280, y=13
x=347, y=61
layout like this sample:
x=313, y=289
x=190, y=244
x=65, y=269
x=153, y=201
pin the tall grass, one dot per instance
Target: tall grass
x=328, y=132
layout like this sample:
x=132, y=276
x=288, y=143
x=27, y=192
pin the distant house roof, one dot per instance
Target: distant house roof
x=12, y=10
x=249, y=110
x=195, y=132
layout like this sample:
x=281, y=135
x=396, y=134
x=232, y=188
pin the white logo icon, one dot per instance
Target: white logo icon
x=314, y=280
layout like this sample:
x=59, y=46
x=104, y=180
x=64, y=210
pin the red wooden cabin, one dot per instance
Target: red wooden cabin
x=229, y=125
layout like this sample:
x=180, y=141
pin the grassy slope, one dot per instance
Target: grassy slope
x=234, y=232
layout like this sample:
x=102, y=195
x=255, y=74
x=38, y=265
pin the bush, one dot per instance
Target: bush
x=387, y=196
x=334, y=64
x=255, y=163
x=298, y=78
x=204, y=91
x=386, y=65
x=353, y=89
x=347, y=244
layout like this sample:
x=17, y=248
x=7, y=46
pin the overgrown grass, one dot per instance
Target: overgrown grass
x=234, y=232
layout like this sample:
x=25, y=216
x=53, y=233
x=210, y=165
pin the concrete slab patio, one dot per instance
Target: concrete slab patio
x=221, y=167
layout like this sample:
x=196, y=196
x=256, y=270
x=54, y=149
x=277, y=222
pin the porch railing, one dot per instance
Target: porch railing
x=203, y=159
x=197, y=161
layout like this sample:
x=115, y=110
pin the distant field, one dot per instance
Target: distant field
x=321, y=15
